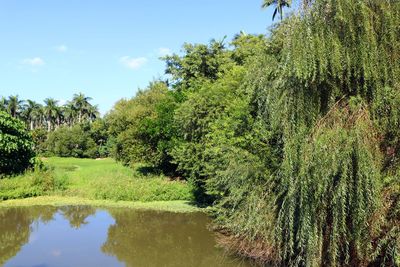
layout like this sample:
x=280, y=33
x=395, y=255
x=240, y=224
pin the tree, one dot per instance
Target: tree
x=199, y=62
x=51, y=112
x=130, y=123
x=32, y=113
x=82, y=105
x=71, y=142
x=279, y=6
x=70, y=113
x=14, y=105
x=16, y=145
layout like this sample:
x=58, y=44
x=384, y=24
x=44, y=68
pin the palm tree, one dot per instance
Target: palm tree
x=70, y=113
x=279, y=5
x=50, y=112
x=32, y=113
x=92, y=112
x=14, y=105
x=81, y=103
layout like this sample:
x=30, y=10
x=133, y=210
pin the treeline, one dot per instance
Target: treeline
x=294, y=138
x=50, y=115
x=74, y=129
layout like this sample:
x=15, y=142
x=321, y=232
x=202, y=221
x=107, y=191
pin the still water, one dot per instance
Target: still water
x=85, y=236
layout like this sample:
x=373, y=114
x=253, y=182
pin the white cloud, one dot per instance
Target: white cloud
x=61, y=48
x=35, y=62
x=163, y=51
x=133, y=63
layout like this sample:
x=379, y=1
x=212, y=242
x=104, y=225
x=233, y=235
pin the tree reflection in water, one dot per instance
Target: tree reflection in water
x=134, y=238
x=16, y=227
x=163, y=239
x=77, y=215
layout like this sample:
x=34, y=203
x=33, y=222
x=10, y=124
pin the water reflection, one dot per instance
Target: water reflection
x=15, y=228
x=84, y=236
x=76, y=215
x=163, y=239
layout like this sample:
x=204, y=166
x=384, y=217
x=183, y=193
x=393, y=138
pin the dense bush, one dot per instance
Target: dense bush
x=71, y=142
x=143, y=127
x=16, y=146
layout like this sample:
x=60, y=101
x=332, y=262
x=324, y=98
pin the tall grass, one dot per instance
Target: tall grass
x=94, y=179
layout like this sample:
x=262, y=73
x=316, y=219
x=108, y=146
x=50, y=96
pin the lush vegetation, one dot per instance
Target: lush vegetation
x=16, y=146
x=93, y=179
x=293, y=138
x=51, y=115
x=70, y=130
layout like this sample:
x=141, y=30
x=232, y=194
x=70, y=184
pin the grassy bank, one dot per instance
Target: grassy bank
x=70, y=181
x=173, y=205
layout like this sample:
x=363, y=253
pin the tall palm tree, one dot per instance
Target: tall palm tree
x=279, y=5
x=32, y=113
x=14, y=105
x=70, y=113
x=81, y=103
x=50, y=112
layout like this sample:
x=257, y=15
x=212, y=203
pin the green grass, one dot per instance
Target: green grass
x=172, y=206
x=88, y=180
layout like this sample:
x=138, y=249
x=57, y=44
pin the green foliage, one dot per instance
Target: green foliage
x=94, y=180
x=31, y=184
x=199, y=62
x=326, y=203
x=292, y=138
x=215, y=111
x=143, y=127
x=16, y=146
x=71, y=142
x=39, y=137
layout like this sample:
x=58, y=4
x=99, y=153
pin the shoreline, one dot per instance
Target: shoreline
x=178, y=206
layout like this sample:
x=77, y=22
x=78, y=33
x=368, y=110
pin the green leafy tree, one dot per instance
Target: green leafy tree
x=16, y=146
x=71, y=142
x=130, y=121
x=199, y=62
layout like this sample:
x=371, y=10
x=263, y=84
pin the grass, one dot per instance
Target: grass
x=172, y=206
x=71, y=181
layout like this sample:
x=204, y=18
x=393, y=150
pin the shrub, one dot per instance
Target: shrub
x=32, y=184
x=71, y=142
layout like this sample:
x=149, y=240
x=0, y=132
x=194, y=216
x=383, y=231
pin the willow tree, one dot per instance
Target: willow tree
x=335, y=53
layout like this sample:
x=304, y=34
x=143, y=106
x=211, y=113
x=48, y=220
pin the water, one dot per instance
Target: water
x=86, y=236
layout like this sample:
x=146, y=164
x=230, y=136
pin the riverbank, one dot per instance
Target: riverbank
x=59, y=201
x=101, y=183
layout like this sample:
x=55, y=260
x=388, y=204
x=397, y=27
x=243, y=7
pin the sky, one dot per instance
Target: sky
x=107, y=49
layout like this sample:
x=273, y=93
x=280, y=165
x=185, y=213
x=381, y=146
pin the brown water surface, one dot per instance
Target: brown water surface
x=85, y=236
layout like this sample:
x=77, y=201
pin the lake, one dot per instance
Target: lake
x=86, y=236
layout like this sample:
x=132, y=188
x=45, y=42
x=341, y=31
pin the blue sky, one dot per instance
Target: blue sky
x=107, y=49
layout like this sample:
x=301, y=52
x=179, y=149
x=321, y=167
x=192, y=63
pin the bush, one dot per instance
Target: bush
x=16, y=146
x=71, y=142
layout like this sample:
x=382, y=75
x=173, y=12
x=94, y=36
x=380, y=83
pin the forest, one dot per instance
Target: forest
x=290, y=138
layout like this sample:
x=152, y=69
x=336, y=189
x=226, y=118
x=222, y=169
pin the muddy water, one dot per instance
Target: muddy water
x=86, y=236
